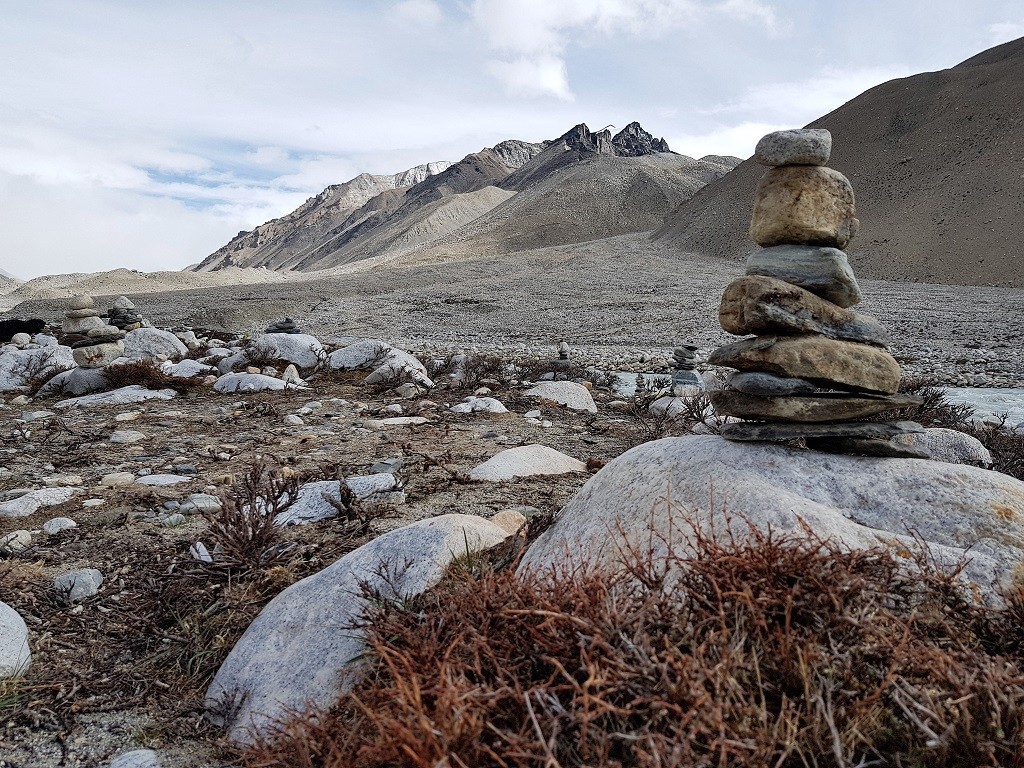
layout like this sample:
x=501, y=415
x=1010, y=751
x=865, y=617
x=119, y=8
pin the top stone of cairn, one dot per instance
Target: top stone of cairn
x=801, y=146
x=83, y=301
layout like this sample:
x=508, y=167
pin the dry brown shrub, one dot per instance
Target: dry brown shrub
x=147, y=374
x=759, y=652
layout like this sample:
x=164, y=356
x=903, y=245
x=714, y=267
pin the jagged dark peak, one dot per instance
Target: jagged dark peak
x=585, y=141
x=634, y=141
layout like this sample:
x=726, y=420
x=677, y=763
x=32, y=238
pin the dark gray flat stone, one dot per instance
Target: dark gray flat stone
x=861, y=446
x=762, y=432
x=769, y=385
x=823, y=271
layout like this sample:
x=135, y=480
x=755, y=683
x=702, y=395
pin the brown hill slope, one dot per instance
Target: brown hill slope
x=937, y=162
x=601, y=196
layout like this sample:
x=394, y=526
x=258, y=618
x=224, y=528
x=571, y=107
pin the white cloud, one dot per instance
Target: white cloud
x=737, y=140
x=1005, y=31
x=425, y=13
x=538, y=76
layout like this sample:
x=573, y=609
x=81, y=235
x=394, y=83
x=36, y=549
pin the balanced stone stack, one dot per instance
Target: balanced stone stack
x=815, y=367
x=685, y=373
x=94, y=344
x=563, y=363
x=124, y=316
x=284, y=326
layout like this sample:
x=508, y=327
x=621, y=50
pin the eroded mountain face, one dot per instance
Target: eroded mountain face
x=386, y=216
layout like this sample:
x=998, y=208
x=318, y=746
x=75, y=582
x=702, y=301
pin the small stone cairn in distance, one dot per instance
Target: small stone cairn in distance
x=815, y=367
x=685, y=368
x=124, y=316
x=283, y=326
x=563, y=363
x=94, y=344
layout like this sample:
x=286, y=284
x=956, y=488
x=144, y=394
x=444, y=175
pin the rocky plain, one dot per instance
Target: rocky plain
x=214, y=501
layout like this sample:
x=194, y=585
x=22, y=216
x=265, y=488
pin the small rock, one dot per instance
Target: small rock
x=58, y=524
x=126, y=436
x=292, y=420
x=15, y=656
x=114, y=479
x=509, y=520
x=174, y=520
x=802, y=146
x=15, y=541
x=78, y=585
x=162, y=479
x=137, y=758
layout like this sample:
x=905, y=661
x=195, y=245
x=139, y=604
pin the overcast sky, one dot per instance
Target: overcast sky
x=146, y=134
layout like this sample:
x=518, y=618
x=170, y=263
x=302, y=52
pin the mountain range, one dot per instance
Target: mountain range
x=516, y=195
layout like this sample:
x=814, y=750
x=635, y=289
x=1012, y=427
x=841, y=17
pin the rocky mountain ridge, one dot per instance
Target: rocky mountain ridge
x=386, y=217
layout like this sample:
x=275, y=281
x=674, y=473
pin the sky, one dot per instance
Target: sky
x=147, y=134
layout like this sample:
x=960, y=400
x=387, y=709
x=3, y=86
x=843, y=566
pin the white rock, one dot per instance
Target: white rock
x=199, y=503
x=313, y=501
x=568, y=393
x=98, y=355
x=290, y=375
x=77, y=381
x=58, y=524
x=44, y=340
x=78, y=585
x=15, y=655
x=126, y=436
x=534, y=414
x=162, y=479
x=150, y=343
x=112, y=480
x=35, y=415
x=300, y=348
x=385, y=362
x=133, y=393
x=15, y=541
x=669, y=407
x=81, y=301
x=35, y=500
x=950, y=446
x=393, y=408
x=250, y=382
x=21, y=339
x=293, y=421
x=198, y=551
x=296, y=651
x=81, y=324
x=57, y=480
x=661, y=488
x=479, y=404
x=186, y=369
x=137, y=758
x=396, y=421
x=19, y=366
x=526, y=461
x=509, y=520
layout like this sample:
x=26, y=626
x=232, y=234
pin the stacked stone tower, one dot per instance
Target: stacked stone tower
x=815, y=368
x=94, y=344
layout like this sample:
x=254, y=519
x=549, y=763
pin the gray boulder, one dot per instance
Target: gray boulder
x=15, y=655
x=133, y=393
x=250, y=382
x=18, y=367
x=574, y=396
x=77, y=381
x=78, y=585
x=304, y=647
x=526, y=461
x=148, y=343
x=950, y=446
x=385, y=362
x=300, y=348
x=658, y=491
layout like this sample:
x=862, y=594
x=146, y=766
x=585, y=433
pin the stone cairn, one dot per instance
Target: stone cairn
x=94, y=344
x=283, y=326
x=685, y=367
x=815, y=367
x=563, y=363
x=124, y=316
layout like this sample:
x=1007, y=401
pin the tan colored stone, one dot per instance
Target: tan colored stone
x=98, y=355
x=823, y=407
x=839, y=364
x=509, y=520
x=764, y=305
x=804, y=204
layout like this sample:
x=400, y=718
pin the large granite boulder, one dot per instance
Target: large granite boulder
x=655, y=494
x=304, y=647
x=300, y=348
x=385, y=362
x=19, y=367
x=149, y=343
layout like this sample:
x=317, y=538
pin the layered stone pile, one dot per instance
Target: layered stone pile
x=815, y=367
x=685, y=367
x=94, y=343
x=124, y=315
x=284, y=326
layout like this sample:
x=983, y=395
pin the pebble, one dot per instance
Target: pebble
x=293, y=421
x=173, y=521
x=58, y=524
x=126, y=436
x=57, y=480
x=80, y=584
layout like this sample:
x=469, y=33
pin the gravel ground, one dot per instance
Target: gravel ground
x=622, y=302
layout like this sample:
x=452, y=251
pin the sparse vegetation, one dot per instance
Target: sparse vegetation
x=753, y=652
x=146, y=373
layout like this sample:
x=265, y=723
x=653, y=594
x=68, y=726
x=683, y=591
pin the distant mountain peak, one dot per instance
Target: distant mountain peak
x=631, y=141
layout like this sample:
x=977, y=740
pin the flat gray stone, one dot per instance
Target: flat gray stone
x=800, y=146
x=948, y=445
x=654, y=494
x=137, y=758
x=148, y=343
x=769, y=385
x=574, y=396
x=163, y=479
x=28, y=503
x=526, y=461
x=821, y=407
x=823, y=271
x=867, y=446
x=123, y=396
x=757, y=432
x=305, y=646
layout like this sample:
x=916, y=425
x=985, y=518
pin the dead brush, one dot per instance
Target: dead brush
x=476, y=369
x=244, y=528
x=761, y=651
x=146, y=373
x=687, y=412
